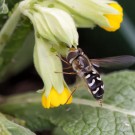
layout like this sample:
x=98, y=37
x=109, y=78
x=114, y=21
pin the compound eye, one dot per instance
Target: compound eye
x=80, y=50
x=71, y=56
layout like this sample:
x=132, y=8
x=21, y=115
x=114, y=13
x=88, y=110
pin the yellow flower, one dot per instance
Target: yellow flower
x=53, y=24
x=114, y=19
x=67, y=14
x=107, y=14
x=55, y=90
x=55, y=99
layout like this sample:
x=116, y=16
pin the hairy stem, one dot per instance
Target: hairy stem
x=9, y=27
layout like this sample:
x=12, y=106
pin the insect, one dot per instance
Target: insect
x=85, y=68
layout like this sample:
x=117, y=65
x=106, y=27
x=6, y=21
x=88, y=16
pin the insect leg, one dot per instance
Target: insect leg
x=71, y=95
x=70, y=73
x=75, y=88
x=100, y=101
x=63, y=60
x=67, y=68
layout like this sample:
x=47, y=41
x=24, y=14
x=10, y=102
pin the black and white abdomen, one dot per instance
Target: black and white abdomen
x=95, y=84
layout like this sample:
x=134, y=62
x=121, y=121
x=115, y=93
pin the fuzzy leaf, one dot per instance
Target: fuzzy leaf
x=84, y=116
x=10, y=128
x=58, y=131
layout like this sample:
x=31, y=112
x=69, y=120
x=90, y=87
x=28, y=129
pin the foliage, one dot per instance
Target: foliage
x=10, y=128
x=84, y=116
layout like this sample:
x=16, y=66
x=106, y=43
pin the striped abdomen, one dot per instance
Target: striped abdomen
x=95, y=84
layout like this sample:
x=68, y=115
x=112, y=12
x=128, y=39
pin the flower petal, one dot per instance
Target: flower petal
x=114, y=19
x=46, y=101
x=47, y=63
x=91, y=10
x=56, y=99
x=60, y=24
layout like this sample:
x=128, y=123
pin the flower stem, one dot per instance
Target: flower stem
x=9, y=27
x=2, y=99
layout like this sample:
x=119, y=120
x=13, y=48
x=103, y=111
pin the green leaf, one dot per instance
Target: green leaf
x=84, y=116
x=9, y=128
x=58, y=131
x=34, y=112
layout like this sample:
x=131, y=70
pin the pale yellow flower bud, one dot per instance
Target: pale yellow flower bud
x=53, y=24
x=56, y=92
x=89, y=13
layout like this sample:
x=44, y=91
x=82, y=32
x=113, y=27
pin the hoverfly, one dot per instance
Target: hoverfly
x=85, y=68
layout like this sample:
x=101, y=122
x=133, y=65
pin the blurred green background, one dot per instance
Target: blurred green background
x=17, y=72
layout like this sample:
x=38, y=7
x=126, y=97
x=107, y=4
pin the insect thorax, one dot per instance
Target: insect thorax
x=81, y=65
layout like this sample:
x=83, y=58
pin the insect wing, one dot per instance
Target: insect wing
x=117, y=62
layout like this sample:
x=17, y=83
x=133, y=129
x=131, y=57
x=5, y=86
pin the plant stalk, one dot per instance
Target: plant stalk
x=9, y=27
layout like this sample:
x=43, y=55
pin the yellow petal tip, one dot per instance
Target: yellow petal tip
x=56, y=99
x=114, y=19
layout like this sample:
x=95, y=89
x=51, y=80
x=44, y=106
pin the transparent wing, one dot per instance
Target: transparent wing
x=116, y=62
